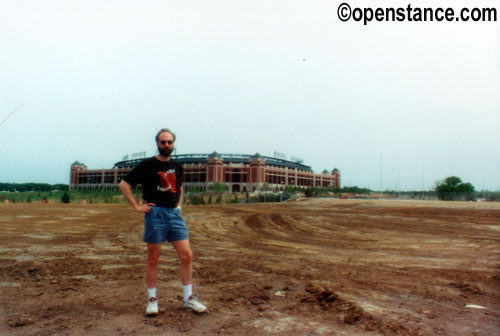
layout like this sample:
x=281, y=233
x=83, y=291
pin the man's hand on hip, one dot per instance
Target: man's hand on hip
x=144, y=207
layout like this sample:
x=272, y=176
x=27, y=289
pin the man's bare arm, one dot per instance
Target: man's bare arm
x=126, y=190
x=181, y=197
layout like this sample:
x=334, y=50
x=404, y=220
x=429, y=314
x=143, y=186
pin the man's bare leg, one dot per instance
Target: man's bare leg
x=152, y=265
x=152, y=277
x=185, y=255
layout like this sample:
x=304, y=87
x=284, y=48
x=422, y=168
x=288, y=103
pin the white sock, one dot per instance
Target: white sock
x=151, y=292
x=188, y=291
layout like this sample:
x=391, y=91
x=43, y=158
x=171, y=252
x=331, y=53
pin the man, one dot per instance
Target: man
x=162, y=189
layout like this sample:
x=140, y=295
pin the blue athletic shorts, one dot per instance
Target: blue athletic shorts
x=164, y=224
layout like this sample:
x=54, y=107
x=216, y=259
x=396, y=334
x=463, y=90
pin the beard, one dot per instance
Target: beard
x=165, y=151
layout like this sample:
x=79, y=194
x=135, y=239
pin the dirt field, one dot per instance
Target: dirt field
x=316, y=267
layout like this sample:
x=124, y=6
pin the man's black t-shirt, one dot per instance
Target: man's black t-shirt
x=161, y=181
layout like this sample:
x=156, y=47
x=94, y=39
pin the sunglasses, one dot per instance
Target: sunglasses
x=163, y=142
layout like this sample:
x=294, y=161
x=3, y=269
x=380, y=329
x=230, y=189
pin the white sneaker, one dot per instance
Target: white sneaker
x=195, y=305
x=152, y=308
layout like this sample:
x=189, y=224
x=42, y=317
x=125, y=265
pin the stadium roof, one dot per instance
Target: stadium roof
x=227, y=158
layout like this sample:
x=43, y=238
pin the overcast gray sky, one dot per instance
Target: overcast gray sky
x=400, y=105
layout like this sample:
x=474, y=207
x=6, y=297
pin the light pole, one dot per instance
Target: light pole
x=281, y=191
x=381, y=173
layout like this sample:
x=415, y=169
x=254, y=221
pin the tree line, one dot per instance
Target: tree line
x=451, y=188
x=20, y=187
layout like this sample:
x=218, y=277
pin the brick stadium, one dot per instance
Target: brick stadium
x=239, y=172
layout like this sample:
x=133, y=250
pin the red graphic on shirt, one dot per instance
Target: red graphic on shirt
x=168, y=181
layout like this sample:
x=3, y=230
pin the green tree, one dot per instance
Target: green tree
x=266, y=187
x=65, y=198
x=196, y=200
x=452, y=189
x=218, y=187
